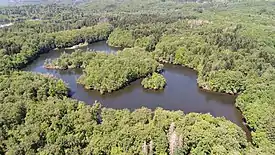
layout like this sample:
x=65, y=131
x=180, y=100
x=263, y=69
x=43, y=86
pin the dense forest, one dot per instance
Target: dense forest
x=231, y=44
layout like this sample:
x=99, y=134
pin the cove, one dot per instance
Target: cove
x=181, y=92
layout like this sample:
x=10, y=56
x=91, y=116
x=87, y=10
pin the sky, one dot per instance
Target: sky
x=4, y=2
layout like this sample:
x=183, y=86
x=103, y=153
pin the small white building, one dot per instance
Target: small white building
x=5, y=25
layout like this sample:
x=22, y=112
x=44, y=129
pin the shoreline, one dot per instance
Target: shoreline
x=202, y=88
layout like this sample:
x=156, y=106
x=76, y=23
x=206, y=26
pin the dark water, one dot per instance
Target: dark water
x=181, y=92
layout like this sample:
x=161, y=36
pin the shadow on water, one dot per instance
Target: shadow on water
x=181, y=92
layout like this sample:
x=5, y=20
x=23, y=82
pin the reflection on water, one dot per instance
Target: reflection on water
x=181, y=92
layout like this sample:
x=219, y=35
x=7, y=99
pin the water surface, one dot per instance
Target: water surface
x=181, y=92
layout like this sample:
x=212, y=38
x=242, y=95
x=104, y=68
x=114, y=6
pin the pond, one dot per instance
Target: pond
x=181, y=92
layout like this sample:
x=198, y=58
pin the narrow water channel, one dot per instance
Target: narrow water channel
x=181, y=92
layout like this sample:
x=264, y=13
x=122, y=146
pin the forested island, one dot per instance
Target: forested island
x=77, y=59
x=109, y=72
x=231, y=45
x=155, y=81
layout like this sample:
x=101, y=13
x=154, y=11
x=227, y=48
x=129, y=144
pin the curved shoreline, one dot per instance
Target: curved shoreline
x=244, y=120
x=129, y=83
